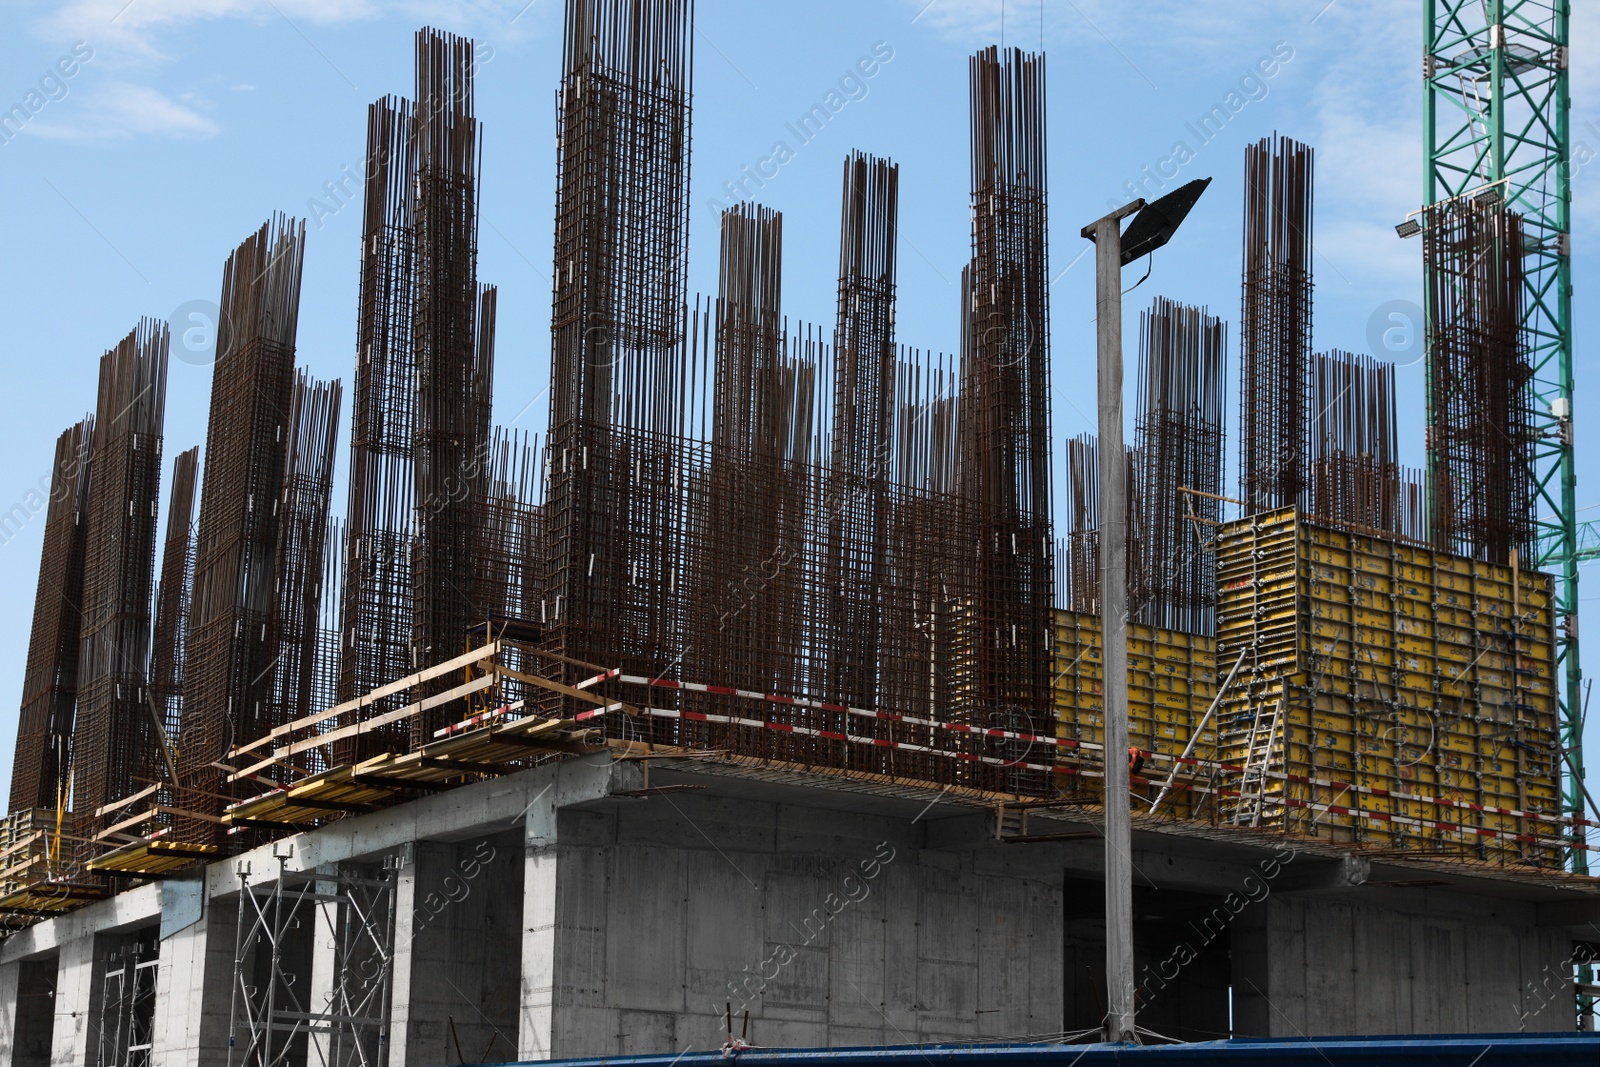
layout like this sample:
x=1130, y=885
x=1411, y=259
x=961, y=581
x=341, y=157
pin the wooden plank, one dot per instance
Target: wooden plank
x=461, y=765
x=356, y=807
x=202, y=816
x=464, y=689
x=267, y=824
x=522, y=735
x=557, y=687
x=545, y=654
x=147, y=814
x=117, y=805
x=389, y=781
x=466, y=659
x=477, y=685
x=23, y=843
x=266, y=762
x=10, y=873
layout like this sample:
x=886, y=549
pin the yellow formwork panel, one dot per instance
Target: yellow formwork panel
x=1403, y=673
x=1171, y=681
x=32, y=848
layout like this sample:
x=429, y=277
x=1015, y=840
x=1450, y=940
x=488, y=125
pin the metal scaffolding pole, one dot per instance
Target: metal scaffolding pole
x=272, y=1021
x=128, y=1005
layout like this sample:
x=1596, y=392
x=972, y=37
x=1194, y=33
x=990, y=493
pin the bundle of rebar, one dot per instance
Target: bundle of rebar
x=1275, y=324
x=41, y=762
x=511, y=561
x=114, y=753
x=173, y=593
x=614, y=506
x=229, y=647
x=452, y=334
x=1006, y=397
x=925, y=665
x=1178, y=437
x=1480, y=433
x=299, y=568
x=1078, y=553
x=376, y=616
x=1356, y=477
x=748, y=616
x=329, y=670
x=855, y=501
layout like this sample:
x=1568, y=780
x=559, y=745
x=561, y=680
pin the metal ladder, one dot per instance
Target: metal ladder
x=1264, y=732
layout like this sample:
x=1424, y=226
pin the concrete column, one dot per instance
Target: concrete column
x=324, y=969
x=194, y=987
x=405, y=906
x=72, y=1040
x=10, y=977
x=537, y=1007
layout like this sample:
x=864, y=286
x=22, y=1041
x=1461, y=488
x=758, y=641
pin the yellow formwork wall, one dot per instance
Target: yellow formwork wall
x=1171, y=681
x=1400, y=670
x=31, y=848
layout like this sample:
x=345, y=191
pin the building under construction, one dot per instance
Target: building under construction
x=763, y=693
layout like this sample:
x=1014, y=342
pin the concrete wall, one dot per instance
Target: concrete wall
x=566, y=911
x=78, y=979
x=1397, y=961
x=194, y=982
x=831, y=928
x=458, y=951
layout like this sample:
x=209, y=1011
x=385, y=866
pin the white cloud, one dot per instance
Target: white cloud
x=119, y=110
x=134, y=39
x=138, y=26
x=1191, y=24
x=1367, y=129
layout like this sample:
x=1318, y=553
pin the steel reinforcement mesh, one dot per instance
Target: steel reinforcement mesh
x=113, y=736
x=1480, y=432
x=39, y=775
x=1275, y=324
x=228, y=679
x=376, y=617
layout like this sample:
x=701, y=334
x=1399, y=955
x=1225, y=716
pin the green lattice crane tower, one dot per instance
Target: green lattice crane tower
x=1496, y=119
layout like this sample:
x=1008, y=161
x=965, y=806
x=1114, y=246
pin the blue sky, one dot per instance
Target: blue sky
x=192, y=120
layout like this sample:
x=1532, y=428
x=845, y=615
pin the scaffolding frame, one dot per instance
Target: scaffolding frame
x=128, y=1007
x=270, y=1022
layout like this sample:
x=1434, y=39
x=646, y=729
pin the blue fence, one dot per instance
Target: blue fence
x=1477, y=1050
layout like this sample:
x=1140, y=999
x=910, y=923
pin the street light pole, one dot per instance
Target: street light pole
x=1107, y=237
x=1152, y=227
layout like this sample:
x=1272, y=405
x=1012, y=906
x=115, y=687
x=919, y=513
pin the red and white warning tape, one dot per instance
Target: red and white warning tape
x=971, y=730
x=480, y=719
x=1049, y=768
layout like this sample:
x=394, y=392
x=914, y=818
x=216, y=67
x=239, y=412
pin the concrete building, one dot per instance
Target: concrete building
x=608, y=905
